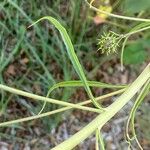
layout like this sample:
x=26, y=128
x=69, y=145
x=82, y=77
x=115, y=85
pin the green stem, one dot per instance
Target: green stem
x=140, y=30
x=101, y=119
x=46, y=99
x=101, y=141
x=122, y=51
x=58, y=110
x=117, y=16
x=7, y=123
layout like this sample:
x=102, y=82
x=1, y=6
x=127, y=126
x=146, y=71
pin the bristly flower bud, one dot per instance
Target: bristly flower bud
x=108, y=43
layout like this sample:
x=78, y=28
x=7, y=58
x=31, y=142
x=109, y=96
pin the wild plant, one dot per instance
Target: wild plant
x=108, y=43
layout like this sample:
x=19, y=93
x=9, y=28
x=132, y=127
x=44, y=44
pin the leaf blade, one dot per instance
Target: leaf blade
x=72, y=55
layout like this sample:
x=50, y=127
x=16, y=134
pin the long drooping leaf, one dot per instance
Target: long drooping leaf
x=77, y=83
x=72, y=55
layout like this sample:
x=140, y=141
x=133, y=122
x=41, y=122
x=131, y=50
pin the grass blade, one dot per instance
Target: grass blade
x=14, y=51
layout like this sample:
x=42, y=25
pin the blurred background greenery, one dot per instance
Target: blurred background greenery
x=34, y=59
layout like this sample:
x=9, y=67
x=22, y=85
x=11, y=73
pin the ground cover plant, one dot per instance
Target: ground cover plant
x=108, y=43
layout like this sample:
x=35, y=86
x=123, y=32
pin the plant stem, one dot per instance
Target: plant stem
x=117, y=16
x=101, y=119
x=101, y=141
x=41, y=98
x=140, y=30
x=58, y=110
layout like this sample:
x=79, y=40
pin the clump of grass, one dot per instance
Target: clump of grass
x=41, y=51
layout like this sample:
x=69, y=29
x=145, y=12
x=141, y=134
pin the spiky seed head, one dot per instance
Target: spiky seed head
x=108, y=43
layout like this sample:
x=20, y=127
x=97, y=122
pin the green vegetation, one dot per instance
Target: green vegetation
x=42, y=60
